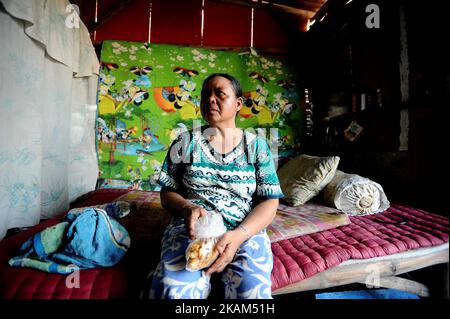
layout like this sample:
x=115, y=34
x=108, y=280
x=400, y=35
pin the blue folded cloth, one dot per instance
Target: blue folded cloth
x=87, y=239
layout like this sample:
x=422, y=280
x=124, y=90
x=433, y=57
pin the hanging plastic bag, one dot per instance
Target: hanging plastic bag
x=202, y=252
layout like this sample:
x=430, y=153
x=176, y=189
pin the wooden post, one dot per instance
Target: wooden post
x=404, y=82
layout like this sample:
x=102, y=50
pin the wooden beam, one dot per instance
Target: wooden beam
x=108, y=15
x=404, y=285
x=327, y=7
x=307, y=13
x=359, y=271
x=295, y=11
x=307, y=5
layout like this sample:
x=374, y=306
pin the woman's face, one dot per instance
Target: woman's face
x=219, y=103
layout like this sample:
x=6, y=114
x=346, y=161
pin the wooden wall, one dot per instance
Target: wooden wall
x=346, y=59
x=180, y=22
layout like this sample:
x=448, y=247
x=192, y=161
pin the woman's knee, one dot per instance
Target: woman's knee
x=170, y=283
x=250, y=284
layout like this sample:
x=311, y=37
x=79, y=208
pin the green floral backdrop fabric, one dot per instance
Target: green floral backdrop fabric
x=148, y=93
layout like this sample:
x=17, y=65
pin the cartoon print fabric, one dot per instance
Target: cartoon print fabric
x=149, y=93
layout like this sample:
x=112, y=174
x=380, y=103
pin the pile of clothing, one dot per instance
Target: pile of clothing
x=86, y=238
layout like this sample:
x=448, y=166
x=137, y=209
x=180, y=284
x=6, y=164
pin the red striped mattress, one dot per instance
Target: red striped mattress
x=294, y=259
x=365, y=237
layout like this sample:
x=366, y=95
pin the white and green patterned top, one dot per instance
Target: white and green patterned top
x=228, y=183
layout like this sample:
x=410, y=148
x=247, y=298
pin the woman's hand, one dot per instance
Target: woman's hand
x=191, y=213
x=227, y=246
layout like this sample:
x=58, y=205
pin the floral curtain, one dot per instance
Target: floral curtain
x=48, y=86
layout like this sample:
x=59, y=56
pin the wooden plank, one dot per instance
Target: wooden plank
x=365, y=271
x=295, y=11
x=402, y=284
x=307, y=12
x=105, y=17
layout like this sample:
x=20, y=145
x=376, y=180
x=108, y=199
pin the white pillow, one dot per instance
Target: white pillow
x=355, y=195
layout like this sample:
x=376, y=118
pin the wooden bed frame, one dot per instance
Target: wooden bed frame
x=377, y=272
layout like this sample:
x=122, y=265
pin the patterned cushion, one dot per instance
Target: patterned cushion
x=305, y=219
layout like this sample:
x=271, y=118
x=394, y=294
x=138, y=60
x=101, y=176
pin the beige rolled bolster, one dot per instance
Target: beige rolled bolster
x=355, y=195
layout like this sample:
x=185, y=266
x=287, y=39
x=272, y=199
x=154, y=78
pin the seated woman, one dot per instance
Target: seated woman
x=224, y=169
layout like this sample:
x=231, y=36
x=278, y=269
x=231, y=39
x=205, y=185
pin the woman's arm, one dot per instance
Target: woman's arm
x=178, y=206
x=259, y=218
x=175, y=203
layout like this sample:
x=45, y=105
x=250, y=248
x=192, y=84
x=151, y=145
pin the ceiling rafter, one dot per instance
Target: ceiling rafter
x=312, y=5
x=303, y=11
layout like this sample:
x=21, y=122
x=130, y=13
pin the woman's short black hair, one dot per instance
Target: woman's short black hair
x=234, y=82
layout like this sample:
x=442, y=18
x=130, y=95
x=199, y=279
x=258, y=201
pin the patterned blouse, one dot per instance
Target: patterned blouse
x=228, y=183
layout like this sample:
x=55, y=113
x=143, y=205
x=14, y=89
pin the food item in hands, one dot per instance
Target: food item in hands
x=201, y=253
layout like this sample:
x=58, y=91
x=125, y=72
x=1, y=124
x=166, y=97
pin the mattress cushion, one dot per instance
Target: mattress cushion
x=293, y=221
x=398, y=229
